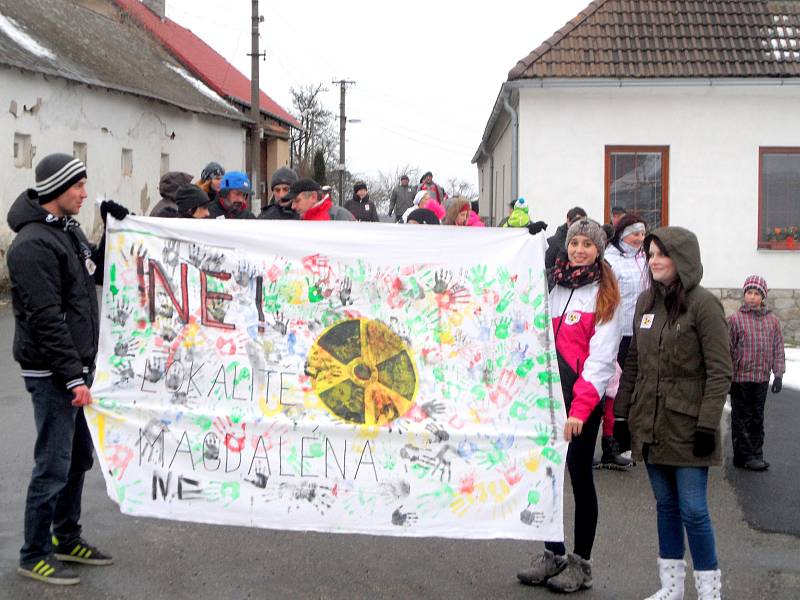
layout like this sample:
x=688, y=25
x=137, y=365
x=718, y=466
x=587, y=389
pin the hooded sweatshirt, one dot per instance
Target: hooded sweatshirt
x=677, y=374
x=168, y=187
x=53, y=271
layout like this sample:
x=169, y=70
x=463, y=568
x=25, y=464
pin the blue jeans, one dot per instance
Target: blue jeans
x=62, y=455
x=681, y=502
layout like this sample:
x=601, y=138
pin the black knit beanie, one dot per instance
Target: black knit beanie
x=55, y=174
x=189, y=197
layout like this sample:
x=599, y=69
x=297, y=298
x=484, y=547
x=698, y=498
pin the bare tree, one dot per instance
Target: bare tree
x=318, y=131
x=380, y=186
x=459, y=187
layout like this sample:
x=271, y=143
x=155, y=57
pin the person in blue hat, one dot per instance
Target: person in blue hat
x=234, y=197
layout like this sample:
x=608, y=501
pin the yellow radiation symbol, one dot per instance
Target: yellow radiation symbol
x=363, y=372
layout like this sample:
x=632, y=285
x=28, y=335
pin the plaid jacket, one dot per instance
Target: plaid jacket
x=756, y=345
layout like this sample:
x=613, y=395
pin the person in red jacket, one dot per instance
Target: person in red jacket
x=312, y=204
x=585, y=305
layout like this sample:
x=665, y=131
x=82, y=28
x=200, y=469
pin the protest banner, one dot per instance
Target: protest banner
x=362, y=378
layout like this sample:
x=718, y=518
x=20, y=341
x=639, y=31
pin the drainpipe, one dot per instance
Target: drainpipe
x=514, y=144
x=485, y=154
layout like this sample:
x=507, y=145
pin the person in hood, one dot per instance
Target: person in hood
x=167, y=187
x=233, y=198
x=401, y=199
x=360, y=205
x=53, y=270
x=211, y=179
x=311, y=204
x=584, y=304
x=674, y=384
x=756, y=351
x=279, y=207
x=192, y=202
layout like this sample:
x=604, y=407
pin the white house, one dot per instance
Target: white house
x=78, y=77
x=685, y=112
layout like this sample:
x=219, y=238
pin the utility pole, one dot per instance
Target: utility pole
x=255, y=108
x=343, y=83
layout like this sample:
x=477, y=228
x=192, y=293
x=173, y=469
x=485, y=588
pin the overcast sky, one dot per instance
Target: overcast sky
x=427, y=73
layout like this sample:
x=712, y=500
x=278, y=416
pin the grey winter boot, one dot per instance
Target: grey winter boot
x=543, y=567
x=672, y=573
x=576, y=576
x=708, y=585
x=612, y=459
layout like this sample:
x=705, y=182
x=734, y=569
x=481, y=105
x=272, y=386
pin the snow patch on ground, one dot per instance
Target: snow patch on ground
x=792, y=376
x=199, y=85
x=12, y=29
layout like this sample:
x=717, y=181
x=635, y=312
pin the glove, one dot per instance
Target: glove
x=704, y=442
x=109, y=207
x=622, y=434
x=534, y=228
x=777, y=385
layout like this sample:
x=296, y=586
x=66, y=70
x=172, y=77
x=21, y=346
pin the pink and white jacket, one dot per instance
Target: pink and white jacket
x=587, y=350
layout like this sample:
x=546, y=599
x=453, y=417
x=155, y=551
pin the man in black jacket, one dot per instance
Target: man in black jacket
x=280, y=208
x=53, y=270
x=360, y=206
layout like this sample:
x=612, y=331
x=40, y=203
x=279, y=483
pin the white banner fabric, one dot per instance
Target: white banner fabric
x=338, y=377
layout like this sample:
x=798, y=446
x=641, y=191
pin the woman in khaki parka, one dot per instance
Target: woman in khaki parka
x=676, y=377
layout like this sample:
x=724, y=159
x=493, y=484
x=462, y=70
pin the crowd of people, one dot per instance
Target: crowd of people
x=645, y=355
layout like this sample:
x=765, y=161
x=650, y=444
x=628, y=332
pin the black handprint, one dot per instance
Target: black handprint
x=125, y=373
x=441, y=279
x=403, y=519
x=171, y=253
x=245, y=273
x=154, y=370
x=121, y=311
x=261, y=478
x=345, y=291
x=280, y=325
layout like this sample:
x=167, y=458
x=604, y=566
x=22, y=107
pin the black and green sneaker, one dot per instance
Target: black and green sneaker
x=49, y=570
x=79, y=551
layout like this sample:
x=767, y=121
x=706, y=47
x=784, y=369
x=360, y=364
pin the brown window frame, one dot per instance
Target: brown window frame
x=664, y=150
x=762, y=243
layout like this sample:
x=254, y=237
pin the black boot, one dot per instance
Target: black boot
x=612, y=459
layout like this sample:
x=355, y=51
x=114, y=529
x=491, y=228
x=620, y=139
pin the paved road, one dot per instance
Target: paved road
x=771, y=500
x=163, y=559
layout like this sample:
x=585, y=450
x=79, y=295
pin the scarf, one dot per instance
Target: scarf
x=320, y=211
x=572, y=277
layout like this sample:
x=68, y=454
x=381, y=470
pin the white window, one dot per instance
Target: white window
x=164, y=164
x=23, y=151
x=127, y=162
x=80, y=151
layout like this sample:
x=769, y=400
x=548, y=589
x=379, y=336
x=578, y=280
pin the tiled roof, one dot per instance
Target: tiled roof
x=203, y=61
x=671, y=38
x=67, y=40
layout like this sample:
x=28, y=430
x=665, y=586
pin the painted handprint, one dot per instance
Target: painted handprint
x=121, y=311
x=171, y=253
x=477, y=278
x=345, y=291
x=281, y=324
x=501, y=329
x=441, y=280
x=403, y=519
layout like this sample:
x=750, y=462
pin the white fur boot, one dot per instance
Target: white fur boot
x=708, y=585
x=672, y=573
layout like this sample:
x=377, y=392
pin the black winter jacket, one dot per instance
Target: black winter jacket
x=276, y=211
x=362, y=209
x=217, y=210
x=53, y=293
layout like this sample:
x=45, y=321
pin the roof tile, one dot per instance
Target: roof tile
x=672, y=38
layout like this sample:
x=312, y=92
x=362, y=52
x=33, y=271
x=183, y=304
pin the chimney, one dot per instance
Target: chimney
x=157, y=6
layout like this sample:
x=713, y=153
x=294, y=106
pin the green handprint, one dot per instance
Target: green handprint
x=541, y=321
x=501, y=331
x=519, y=411
x=272, y=302
x=314, y=292
x=478, y=392
x=543, y=434
x=237, y=414
x=525, y=367
x=533, y=497
x=504, y=277
x=546, y=377
x=359, y=274
x=505, y=302
x=546, y=403
x=477, y=277
x=553, y=456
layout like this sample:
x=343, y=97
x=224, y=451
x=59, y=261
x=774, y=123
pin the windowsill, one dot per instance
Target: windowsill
x=780, y=246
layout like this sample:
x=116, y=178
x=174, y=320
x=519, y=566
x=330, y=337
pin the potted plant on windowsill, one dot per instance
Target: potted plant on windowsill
x=781, y=238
